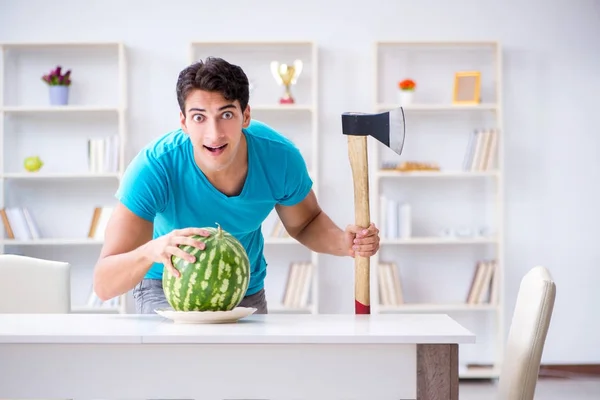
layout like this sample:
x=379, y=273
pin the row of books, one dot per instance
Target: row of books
x=100, y=219
x=103, y=154
x=390, y=285
x=484, y=285
x=394, y=218
x=273, y=227
x=480, y=155
x=297, y=288
x=481, y=150
x=18, y=223
x=482, y=290
x=277, y=229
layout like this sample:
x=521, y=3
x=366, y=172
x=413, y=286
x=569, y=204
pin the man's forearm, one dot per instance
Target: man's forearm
x=322, y=235
x=117, y=274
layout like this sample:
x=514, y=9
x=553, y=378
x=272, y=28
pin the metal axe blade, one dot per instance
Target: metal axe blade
x=388, y=128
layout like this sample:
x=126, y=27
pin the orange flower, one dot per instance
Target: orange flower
x=407, y=84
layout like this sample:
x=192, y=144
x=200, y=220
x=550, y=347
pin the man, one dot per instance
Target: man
x=219, y=166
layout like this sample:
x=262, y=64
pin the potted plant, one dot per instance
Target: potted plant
x=407, y=90
x=59, y=84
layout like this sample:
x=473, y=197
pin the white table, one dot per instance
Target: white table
x=275, y=356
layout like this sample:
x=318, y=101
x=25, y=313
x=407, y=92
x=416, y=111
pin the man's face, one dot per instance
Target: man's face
x=215, y=128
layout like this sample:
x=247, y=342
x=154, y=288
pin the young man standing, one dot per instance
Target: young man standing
x=219, y=166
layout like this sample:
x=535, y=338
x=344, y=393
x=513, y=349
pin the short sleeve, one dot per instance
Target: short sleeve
x=144, y=186
x=297, y=180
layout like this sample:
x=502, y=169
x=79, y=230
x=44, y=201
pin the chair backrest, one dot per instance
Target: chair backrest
x=32, y=285
x=527, y=336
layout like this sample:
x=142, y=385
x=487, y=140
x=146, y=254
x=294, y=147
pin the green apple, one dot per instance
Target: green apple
x=33, y=163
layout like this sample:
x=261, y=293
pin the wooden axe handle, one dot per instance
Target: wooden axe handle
x=357, y=152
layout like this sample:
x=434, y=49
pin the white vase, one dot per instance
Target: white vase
x=405, y=97
x=59, y=95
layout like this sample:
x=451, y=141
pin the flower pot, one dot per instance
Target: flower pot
x=405, y=97
x=59, y=95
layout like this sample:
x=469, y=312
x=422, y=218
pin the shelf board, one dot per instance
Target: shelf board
x=431, y=307
x=281, y=107
x=31, y=45
x=59, y=175
x=434, y=240
x=51, y=242
x=439, y=107
x=251, y=43
x=436, y=174
x=51, y=109
x=437, y=43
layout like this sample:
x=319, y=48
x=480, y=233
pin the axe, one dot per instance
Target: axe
x=388, y=128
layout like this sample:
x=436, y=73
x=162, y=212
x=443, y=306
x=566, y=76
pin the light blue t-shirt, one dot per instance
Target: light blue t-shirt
x=163, y=184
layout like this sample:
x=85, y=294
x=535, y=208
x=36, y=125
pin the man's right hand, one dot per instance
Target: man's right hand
x=161, y=249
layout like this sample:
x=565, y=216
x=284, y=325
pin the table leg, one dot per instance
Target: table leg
x=437, y=372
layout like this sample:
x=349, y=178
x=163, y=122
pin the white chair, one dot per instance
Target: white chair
x=527, y=336
x=31, y=285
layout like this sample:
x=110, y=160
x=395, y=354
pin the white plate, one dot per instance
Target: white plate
x=206, y=317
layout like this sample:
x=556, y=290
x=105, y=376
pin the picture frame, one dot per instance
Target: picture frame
x=467, y=87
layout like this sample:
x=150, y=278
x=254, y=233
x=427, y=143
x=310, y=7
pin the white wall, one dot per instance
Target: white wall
x=551, y=79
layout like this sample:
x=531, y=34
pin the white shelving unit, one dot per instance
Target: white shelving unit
x=295, y=121
x=436, y=244
x=61, y=196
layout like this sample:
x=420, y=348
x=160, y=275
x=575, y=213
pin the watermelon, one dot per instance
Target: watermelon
x=216, y=281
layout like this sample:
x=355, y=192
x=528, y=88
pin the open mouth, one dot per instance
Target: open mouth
x=217, y=149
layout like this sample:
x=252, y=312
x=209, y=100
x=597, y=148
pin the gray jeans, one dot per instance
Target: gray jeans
x=149, y=295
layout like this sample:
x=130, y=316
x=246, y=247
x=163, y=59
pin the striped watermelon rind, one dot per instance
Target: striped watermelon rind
x=216, y=281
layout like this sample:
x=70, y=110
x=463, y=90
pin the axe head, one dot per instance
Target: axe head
x=387, y=127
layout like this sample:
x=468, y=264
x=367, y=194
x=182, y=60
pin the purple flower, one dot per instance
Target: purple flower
x=55, y=77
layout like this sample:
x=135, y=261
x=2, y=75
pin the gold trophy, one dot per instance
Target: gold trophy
x=286, y=75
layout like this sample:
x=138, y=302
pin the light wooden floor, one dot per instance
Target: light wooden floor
x=547, y=389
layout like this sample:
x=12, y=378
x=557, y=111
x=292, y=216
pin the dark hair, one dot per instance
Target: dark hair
x=213, y=75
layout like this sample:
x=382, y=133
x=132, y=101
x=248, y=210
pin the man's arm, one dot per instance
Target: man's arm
x=309, y=225
x=122, y=263
x=304, y=220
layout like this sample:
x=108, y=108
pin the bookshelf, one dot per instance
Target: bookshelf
x=48, y=213
x=291, y=284
x=440, y=205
